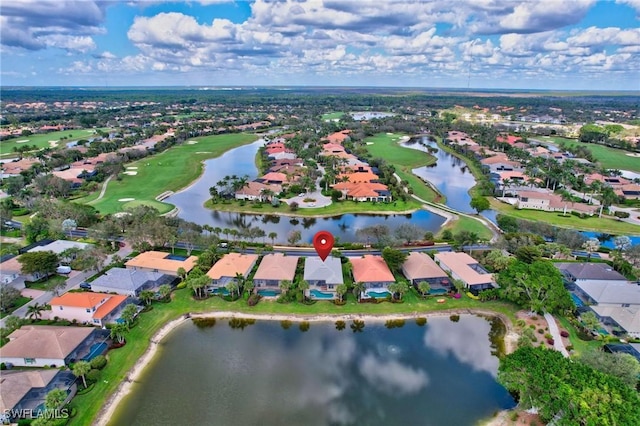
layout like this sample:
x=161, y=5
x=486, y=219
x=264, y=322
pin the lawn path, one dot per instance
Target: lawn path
x=558, y=345
x=102, y=191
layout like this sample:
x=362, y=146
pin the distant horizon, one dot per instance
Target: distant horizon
x=551, y=45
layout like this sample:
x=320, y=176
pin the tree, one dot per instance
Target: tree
x=622, y=243
x=399, y=288
x=147, y=296
x=128, y=314
x=34, y=311
x=198, y=284
x=591, y=246
x=394, y=258
x=480, y=204
x=358, y=289
x=303, y=286
x=294, y=237
x=272, y=236
x=623, y=366
x=38, y=263
x=341, y=290
x=537, y=286
x=182, y=273
x=164, y=290
x=118, y=332
x=408, y=232
x=232, y=287
x=285, y=286
x=80, y=369
x=497, y=260
x=590, y=320
x=424, y=288
x=8, y=296
x=380, y=234
x=54, y=399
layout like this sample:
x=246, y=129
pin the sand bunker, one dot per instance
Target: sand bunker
x=132, y=168
x=369, y=143
x=22, y=141
x=130, y=173
x=633, y=154
x=121, y=214
x=126, y=199
x=53, y=144
x=203, y=152
x=192, y=142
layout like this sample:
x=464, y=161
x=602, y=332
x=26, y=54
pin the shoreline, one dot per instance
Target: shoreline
x=115, y=399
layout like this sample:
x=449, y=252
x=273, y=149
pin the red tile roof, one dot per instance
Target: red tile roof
x=370, y=268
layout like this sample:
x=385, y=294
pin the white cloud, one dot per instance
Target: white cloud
x=391, y=377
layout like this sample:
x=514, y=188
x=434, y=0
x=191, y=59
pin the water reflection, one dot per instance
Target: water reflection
x=267, y=375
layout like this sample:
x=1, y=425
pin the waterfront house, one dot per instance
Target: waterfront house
x=49, y=345
x=374, y=273
x=421, y=267
x=159, y=261
x=256, y=191
x=60, y=246
x=323, y=277
x=465, y=268
x=273, y=269
x=91, y=308
x=229, y=266
x=25, y=391
x=129, y=282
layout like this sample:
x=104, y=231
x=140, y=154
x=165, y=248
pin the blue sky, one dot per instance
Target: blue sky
x=537, y=44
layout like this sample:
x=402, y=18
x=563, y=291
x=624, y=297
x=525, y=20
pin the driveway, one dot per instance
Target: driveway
x=319, y=200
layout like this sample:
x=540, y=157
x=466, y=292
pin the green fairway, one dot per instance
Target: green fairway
x=465, y=223
x=386, y=146
x=122, y=360
x=45, y=140
x=332, y=116
x=609, y=158
x=171, y=170
x=610, y=226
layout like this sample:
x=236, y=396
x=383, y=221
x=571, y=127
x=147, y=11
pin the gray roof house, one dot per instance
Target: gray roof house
x=421, y=267
x=594, y=272
x=323, y=277
x=129, y=282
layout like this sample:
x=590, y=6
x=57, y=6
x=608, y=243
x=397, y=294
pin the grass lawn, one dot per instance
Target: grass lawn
x=332, y=116
x=342, y=207
x=610, y=158
x=468, y=224
x=405, y=159
x=171, y=170
x=610, y=226
x=41, y=141
x=579, y=346
x=46, y=285
x=123, y=359
x=20, y=301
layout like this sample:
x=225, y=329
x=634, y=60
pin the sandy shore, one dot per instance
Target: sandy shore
x=109, y=408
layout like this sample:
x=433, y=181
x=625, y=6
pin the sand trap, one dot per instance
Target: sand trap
x=126, y=199
x=22, y=141
x=132, y=168
x=634, y=154
x=130, y=173
x=192, y=142
x=203, y=152
x=369, y=143
x=389, y=134
x=53, y=144
x=121, y=214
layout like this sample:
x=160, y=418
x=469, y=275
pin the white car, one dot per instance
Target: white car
x=63, y=269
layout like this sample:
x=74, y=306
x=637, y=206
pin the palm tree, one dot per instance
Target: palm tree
x=55, y=398
x=358, y=288
x=303, y=286
x=233, y=286
x=182, y=273
x=272, y=237
x=340, y=325
x=341, y=290
x=80, y=369
x=424, y=288
x=285, y=285
x=118, y=331
x=147, y=296
x=34, y=311
x=128, y=314
x=164, y=290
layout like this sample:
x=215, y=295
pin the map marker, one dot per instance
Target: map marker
x=323, y=243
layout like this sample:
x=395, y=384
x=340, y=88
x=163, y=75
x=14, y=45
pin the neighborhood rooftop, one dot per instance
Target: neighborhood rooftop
x=161, y=261
x=370, y=268
x=44, y=341
x=590, y=271
x=329, y=271
x=14, y=385
x=232, y=264
x=277, y=266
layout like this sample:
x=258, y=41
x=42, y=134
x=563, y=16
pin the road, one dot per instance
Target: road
x=71, y=283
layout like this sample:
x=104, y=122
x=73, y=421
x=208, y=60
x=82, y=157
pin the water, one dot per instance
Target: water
x=368, y=115
x=240, y=161
x=450, y=175
x=609, y=243
x=440, y=374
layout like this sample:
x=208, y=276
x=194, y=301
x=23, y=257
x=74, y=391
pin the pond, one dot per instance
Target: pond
x=440, y=374
x=240, y=161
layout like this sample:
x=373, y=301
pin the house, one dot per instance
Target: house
x=10, y=270
x=465, y=268
x=273, y=269
x=23, y=392
x=588, y=274
x=227, y=268
x=129, y=282
x=364, y=191
x=60, y=246
x=49, y=345
x=629, y=191
x=159, y=261
x=274, y=178
x=546, y=200
x=256, y=191
x=374, y=273
x=421, y=267
x=88, y=307
x=323, y=277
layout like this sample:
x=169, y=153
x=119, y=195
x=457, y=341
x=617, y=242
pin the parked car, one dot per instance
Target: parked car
x=85, y=285
x=63, y=269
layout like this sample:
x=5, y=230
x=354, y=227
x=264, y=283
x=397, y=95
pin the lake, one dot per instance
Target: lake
x=439, y=374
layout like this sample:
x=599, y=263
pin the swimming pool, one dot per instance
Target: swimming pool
x=176, y=257
x=576, y=301
x=378, y=294
x=96, y=349
x=268, y=293
x=317, y=294
x=438, y=291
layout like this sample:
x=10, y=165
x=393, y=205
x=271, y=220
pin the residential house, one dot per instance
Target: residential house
x=629, y=191
x=374, y=273
x=14, y=168
x=129, y=282
x=60, y=246
x=460, y=139
x=421, y=267
x=550, y=202
x=159, y=261
x=364, y=191
x=586, y=277
x=338, y=137
x=273, y=178
x=273, y=269
x=323, y=277
x=49, y=345
x=92, y=308
x=25, y=391
x=256, y=191
x=10, y=270
x=465, y=268
x=226, y=269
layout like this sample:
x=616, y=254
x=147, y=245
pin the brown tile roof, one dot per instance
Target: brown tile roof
x=157, y=260
x=14, y=385
x=370, y=268
x=44, y=341
x=232, y=264
x=277, y=266
x=275, y=177
x=338, y=137
x=255, y=189
x=364, y=189
x=420, y=265
x=357, y=177
x=459, y=264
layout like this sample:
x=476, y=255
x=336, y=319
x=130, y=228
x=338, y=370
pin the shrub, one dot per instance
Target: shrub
x=564, y=333
x=541, y=331
x=454, y=318
x=550, y=341
x=420, y=321
x=520, y=323
x=534, y=318
x=93, y=376
x=532, y=326
x=181, y=285
x=547, y=336
x=253, y=299
x=203, y=322
x=569, y=348
x=514, y=416
x=99, y=362
x=3, y=366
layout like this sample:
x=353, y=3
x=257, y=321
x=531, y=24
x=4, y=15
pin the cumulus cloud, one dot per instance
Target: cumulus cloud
x=391, y=377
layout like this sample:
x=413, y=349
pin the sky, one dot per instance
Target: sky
x=479, y=44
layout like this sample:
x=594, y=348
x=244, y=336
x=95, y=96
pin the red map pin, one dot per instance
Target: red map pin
x=323, y=243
